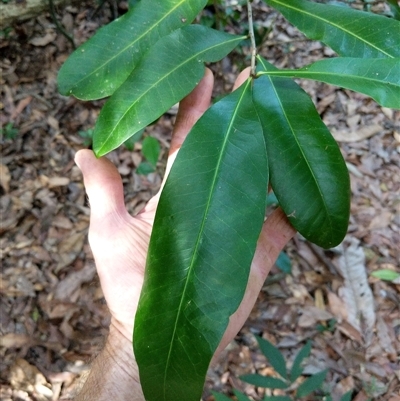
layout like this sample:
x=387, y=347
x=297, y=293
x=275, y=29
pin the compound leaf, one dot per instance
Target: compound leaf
x=301, y=355
x=220, y=397
x=273, y=355
x=308, y=173
x=264, y=381
x=377, y=78
x=168, y=72
x=240, y=396
x=204, y=237
x=349, y=32
x=311, y=384
x=98, y=67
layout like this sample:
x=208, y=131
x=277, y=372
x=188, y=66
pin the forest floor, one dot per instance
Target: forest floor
x=52, y=312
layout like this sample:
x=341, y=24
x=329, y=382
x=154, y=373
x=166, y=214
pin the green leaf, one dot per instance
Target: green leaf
x=347, y=396
x=220, y=397
x=348, y=32
x=395, y=8
x=296, y=368
x=377, y=78
x=240, y=396
x=283, y=263
x=264, y=381
x=151, y=150
x=311, y=384
x=271, y=200
x=206, y=228
x=145, y=168
x=168, y=72
x=277, y=398
x=130, y=142
x=386, y=274
x=308, y=173
x=98, y=67
x=273, y=355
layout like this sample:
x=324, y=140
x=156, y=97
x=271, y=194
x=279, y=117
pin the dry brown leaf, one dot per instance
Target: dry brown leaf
x=381, y=220
x=25, y=376
x=20, y=107
x=319, y=299
x=337, y=307
x=356, y=292
x=312, y=315
x=350, y=331
x=61, y=221
x=53, y=122
x=58, y=182
x=44, y=40
x=385, y=339
x=15, y=340
x=72, y=243
x=355, y=136
x=5, y=177
x=73, y=281
x=344, y=386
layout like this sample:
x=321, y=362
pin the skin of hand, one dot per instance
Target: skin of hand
x=119, y=243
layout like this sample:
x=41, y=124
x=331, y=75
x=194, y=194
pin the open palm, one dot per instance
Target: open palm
x=119, y=241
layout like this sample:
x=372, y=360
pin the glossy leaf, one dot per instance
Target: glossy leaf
x=99, y=66
x=204, y=237
x=301, y=355
x=168, y=72
x=308, y=173
x=377, y=78
x=274, y=356
x=311, y=384
x=348, y=32
x=264, y=381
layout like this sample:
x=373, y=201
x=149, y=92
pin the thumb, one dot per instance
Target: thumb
x=103, y=184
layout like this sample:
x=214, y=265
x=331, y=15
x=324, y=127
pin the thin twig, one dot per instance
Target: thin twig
x=252, y=39
x=58, y=25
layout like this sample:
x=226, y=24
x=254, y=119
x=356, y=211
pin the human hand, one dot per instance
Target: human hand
x=119, y=241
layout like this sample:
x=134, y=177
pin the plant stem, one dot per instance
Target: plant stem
x=252, y=39
x=58, y=24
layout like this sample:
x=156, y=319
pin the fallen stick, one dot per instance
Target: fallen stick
x=18, y=11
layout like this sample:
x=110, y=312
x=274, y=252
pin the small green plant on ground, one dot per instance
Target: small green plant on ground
x=386, y=274
x=150, y=149
x=288, y=381
x=267, y=132
x=9, y=131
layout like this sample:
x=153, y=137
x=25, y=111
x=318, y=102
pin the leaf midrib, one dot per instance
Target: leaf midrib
x=186, y=61
x=333, y=24
x=131, y=43
x=303, y=73
x=301, y=150
x=201, y=229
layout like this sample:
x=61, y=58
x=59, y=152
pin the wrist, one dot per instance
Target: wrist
x=114, y=374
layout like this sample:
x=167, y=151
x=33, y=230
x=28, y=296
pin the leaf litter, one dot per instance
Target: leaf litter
x=52, y=311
